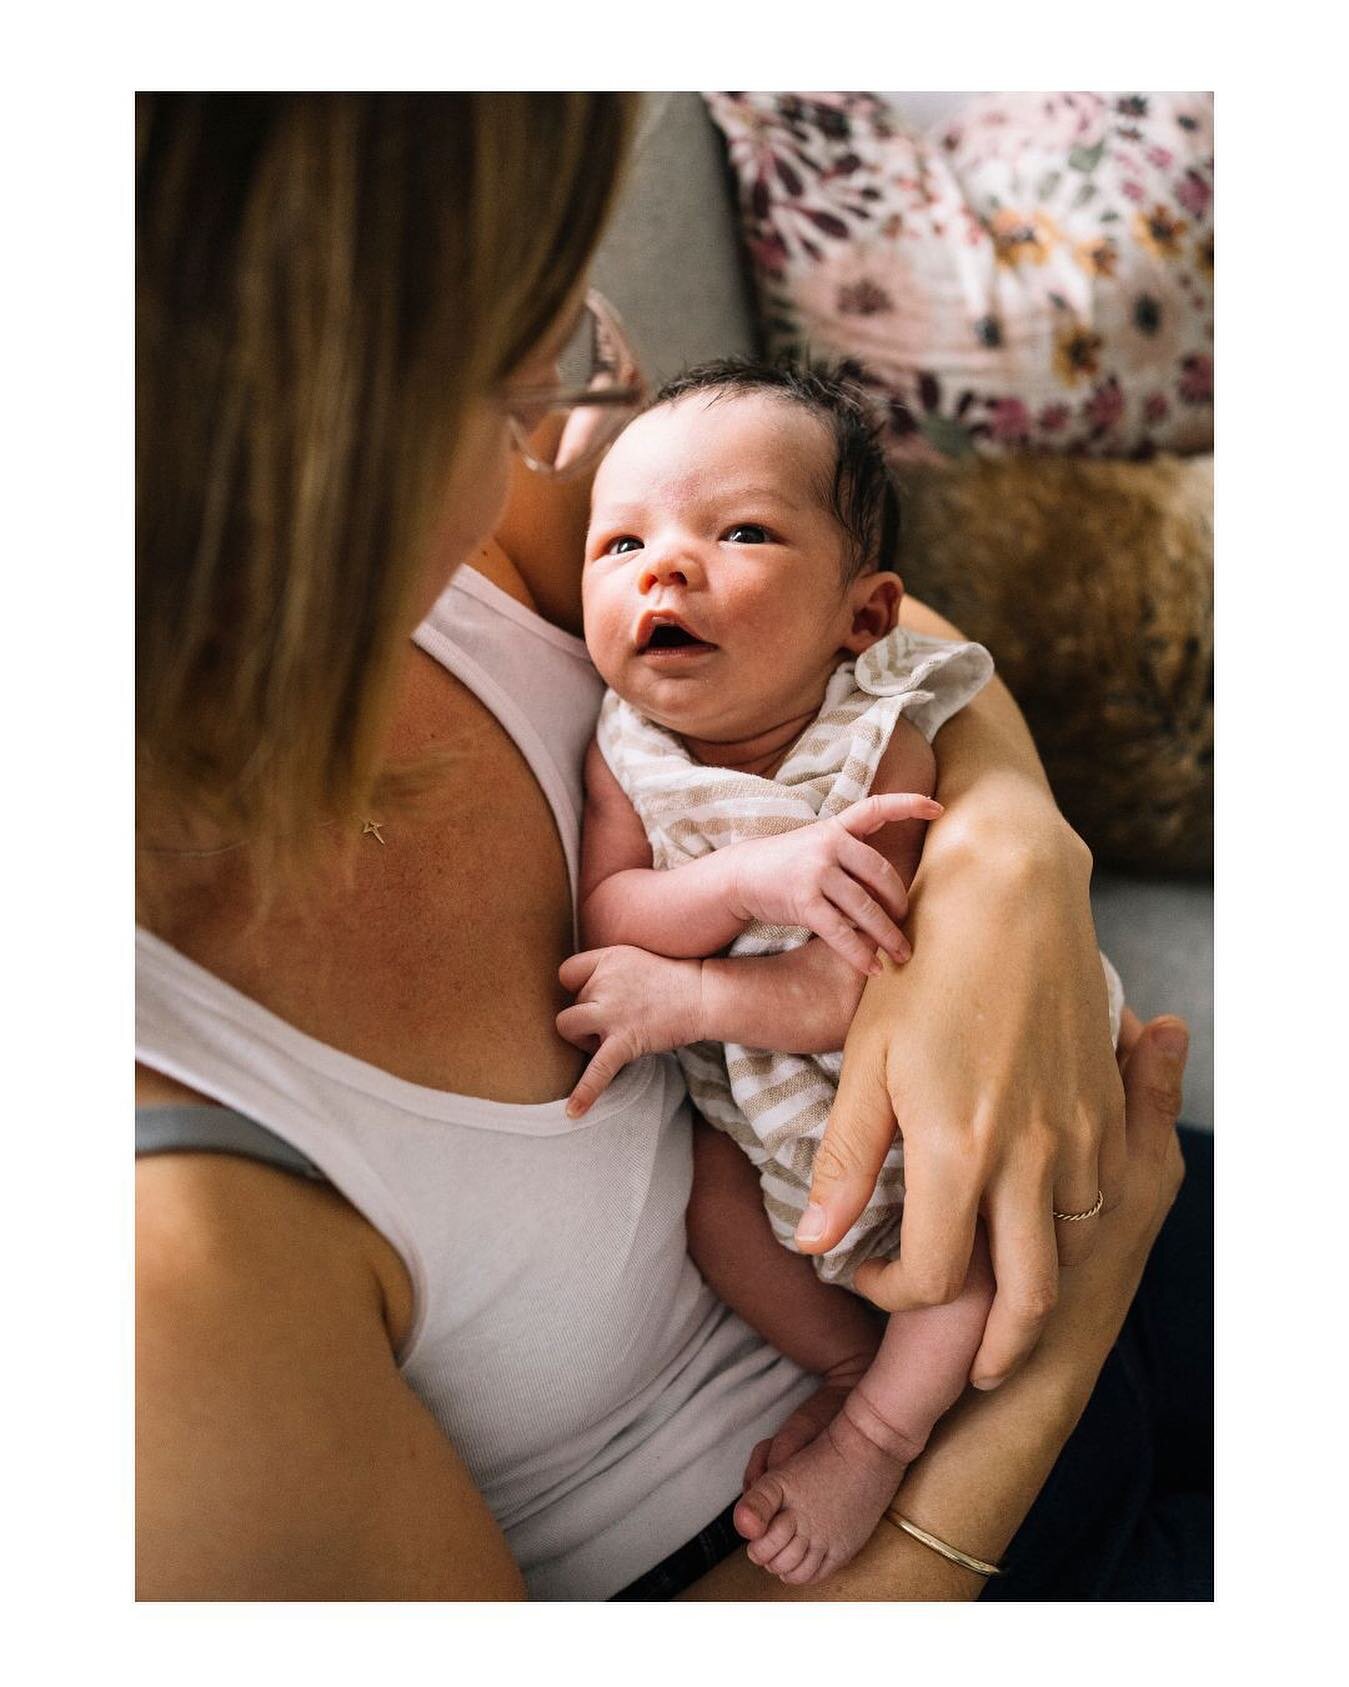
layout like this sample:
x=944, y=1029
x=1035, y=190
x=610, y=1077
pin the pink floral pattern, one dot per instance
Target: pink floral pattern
x=1037, y=277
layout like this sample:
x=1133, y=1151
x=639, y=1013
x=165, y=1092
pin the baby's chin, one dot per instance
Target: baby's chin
x=689, y=707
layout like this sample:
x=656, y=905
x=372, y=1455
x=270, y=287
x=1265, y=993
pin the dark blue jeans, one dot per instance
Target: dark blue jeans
x=1127, y=1512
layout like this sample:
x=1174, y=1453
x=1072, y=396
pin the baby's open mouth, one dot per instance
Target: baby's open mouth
x=665, y=634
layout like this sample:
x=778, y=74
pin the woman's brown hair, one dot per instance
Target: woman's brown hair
x=324, y=283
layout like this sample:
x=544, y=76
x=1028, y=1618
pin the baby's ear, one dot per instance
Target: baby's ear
x=874, y=600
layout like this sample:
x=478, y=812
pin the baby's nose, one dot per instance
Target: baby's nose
x=663, y=571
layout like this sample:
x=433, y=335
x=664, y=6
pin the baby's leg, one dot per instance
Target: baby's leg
x=807, y=1517
x=824, y=1328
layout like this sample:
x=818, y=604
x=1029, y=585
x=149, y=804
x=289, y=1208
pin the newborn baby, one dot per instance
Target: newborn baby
x=765, y=714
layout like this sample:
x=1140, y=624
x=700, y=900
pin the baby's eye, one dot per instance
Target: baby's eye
x=747, y=533
x=622, y=545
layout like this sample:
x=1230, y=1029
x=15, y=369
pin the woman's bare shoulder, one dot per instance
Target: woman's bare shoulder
x=541, y=533
x=492, y=562
x=219, y=1202
x=211, y=1211
x=281, y=1454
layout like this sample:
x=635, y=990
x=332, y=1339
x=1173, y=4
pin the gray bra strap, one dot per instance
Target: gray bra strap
x=199, y=1128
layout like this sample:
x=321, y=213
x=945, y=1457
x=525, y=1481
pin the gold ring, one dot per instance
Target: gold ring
x=1091, y=1212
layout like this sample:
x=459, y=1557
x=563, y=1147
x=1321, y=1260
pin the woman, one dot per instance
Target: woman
x=406, y=1332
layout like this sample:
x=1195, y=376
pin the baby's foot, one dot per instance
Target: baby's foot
x=801, y=1428
x=809, y=1514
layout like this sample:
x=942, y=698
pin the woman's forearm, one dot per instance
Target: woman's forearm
x=991, y=1455
x=982, y=1469
x=990, y=778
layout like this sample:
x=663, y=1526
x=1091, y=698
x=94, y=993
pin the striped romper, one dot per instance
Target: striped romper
x=775, y=1106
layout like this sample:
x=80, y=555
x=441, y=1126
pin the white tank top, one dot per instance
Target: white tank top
x=602, y=1397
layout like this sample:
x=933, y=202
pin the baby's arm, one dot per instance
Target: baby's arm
x=821, y=876
x=803, y=1001
x=625, y=900
x=630, y=1002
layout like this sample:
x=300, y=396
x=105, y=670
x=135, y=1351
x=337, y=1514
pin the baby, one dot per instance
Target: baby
x=765, y=715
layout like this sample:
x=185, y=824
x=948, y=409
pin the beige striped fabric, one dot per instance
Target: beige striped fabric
x=776, y=1105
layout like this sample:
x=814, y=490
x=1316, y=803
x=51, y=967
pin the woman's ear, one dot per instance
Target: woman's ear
x=874, y=600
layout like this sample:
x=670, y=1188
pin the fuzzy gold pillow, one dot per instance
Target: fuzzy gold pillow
x=1092, y=585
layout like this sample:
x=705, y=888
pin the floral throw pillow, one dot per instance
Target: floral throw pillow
x=1037, y=277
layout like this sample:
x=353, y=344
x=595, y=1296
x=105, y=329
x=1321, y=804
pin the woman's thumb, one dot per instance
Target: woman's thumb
x=1154, y=1073
x=848, y=1161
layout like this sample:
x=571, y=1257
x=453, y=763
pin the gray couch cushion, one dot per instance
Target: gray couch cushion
x=671, y=257
x=1159, y=933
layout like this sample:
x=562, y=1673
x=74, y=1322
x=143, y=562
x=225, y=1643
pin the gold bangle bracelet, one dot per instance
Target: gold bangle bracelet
x=952, y=1553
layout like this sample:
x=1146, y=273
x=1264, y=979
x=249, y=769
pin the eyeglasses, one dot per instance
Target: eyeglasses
x=561, y=430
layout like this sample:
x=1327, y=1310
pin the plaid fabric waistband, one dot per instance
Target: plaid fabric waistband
x=686, y=1563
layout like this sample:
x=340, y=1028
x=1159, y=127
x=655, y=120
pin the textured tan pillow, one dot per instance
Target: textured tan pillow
x=1092, y=584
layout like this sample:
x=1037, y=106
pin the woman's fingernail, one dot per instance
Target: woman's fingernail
x=811, y=1227
x=1173, y=1041
x=986, y=1383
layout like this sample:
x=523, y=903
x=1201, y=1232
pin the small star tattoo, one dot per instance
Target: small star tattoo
x=372, y=829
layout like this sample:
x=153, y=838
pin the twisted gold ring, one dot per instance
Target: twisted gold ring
x=1091, y=1212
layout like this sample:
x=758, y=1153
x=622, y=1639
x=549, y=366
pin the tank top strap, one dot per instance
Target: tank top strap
x=204, y=1128
x=536, y=679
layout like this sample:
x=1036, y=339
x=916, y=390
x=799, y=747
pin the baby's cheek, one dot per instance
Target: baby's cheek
x=606, y=638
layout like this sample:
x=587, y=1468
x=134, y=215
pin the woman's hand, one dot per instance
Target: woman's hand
x=991, y=1052
x=823, y=877
x=990, y=1456
x=628, y=1003
x=1095, y=1294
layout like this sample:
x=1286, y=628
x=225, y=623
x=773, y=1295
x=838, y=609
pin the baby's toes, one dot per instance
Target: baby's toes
x=758, y=1463
x=758, y=1508
x=774, y=1538
x=792, y=1556
x=808, y=1570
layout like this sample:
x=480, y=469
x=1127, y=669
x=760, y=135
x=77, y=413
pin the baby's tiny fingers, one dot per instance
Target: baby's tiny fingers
x=580, y=1025
x=831, y=928
x=874, y=873
x=585, y=1094
x=885, y=809
x=576, y=969
x=601, y=1072
x=868, y=916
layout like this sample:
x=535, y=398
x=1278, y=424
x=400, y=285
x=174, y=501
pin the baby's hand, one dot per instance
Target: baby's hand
x=822, y=877
x=628, y=1003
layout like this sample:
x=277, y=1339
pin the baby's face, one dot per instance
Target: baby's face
x=713, y=587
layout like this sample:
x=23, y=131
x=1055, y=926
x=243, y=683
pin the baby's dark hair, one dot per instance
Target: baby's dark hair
x=863, y=495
